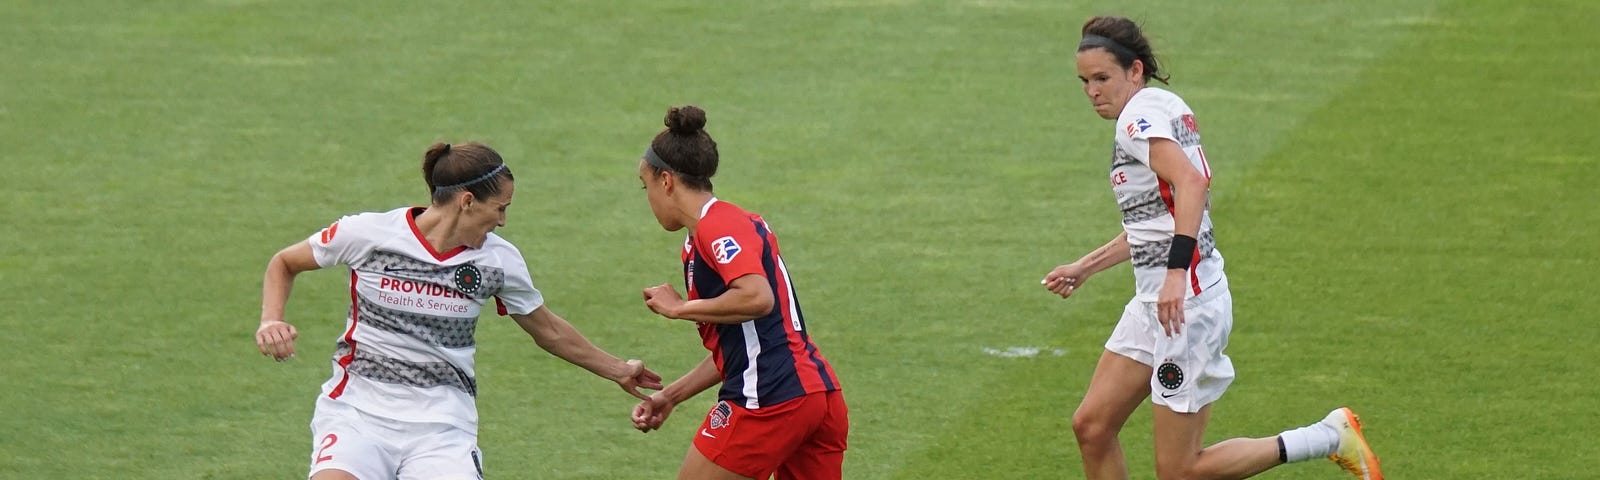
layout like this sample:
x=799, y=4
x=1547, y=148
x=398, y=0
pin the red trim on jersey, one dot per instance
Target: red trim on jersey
x=349, y=334
x=411, y=220
x=1194, y=278
x=1166, y=196
x=500, y=306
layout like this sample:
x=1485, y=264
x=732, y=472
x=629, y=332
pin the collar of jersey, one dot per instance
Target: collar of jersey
x=707, y=207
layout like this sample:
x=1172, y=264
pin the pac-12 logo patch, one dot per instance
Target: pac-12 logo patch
x=468, y=278
x=1170, y=376
x=724, y=249
x=719, y=415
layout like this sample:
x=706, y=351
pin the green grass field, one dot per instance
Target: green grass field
x=1404, y=192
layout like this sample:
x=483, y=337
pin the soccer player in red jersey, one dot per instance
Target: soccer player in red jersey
x=779, y=410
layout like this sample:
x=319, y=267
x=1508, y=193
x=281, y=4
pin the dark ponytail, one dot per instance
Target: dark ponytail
x=1126, y=42
x=473, y=167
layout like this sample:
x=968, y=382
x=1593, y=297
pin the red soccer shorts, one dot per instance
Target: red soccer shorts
x=801, y=438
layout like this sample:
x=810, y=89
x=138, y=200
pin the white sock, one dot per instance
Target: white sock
x=1316, y=440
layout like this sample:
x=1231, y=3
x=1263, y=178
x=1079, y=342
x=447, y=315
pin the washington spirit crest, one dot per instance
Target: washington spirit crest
x=719, y=415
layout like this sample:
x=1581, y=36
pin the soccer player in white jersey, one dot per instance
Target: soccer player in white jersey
x=400, y=404
x=1168, y=346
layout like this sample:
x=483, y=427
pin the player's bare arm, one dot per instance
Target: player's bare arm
x=275, y=337
x=1065, y=279
x=557, y=336
x=747, y=297
x=1189, y=188
x=651, y=413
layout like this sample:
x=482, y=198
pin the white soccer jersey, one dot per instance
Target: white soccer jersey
x=1147, y=201
x=406, y=351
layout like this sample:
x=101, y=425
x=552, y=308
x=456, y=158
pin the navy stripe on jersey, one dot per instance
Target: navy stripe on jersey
x=777, y=378
x=773, y=274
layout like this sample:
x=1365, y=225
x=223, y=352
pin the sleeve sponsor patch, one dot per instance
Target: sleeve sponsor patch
x=725, y=249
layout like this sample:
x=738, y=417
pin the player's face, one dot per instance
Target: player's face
x=1107, y=84
x=655, y=191
x=483, y=215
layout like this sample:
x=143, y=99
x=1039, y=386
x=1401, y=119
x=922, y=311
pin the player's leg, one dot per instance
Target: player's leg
x=1193, y=373
x=1179, y=454
x=434, y=451
x=697, y=467
x=1120, y=383
x=333, y=474
x=821, y=457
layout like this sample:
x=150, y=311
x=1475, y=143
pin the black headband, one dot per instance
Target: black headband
x=486, y=176
x=1122, y=53
x=654, y=160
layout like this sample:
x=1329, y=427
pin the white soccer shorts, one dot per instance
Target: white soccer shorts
x=1188, y=370
x=377, y=448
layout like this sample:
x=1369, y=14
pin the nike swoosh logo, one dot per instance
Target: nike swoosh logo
x=394, y=269
x=707, y=434
x=1169, y=395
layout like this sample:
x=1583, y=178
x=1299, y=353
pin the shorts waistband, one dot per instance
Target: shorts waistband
x=1208, y=293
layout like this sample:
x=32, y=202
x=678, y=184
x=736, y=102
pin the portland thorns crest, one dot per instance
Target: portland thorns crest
x=468, y=278
x=1170, y=376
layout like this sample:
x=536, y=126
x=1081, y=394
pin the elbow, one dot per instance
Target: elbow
x=760, y=304
x=548, y=341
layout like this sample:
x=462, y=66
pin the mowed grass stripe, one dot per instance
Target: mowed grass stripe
x=1413, y=245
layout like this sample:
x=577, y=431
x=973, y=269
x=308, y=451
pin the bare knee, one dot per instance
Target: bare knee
x=1094, y=428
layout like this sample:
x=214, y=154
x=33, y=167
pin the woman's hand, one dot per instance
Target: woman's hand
x=275, y=338
x=652, y=412
x=1169, y=305
x=1065, y=279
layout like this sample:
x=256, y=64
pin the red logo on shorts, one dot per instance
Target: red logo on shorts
x=720, y=414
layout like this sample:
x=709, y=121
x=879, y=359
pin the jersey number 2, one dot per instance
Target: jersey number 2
x=327, y=441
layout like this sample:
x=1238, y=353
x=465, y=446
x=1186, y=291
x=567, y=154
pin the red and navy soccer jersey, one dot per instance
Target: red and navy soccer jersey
x=768, y=359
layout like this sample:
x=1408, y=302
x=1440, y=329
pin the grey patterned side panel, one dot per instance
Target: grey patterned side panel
x=1153, y=255
x=1121, y=158
x=1143, y=206
x=442, y=331
x=399, y=266
x=1187, y=135
x=413, y=374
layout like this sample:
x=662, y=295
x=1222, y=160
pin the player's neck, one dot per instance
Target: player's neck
x=437, y=228
x=692, y=205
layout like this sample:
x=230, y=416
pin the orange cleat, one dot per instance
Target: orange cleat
x=1354, y=455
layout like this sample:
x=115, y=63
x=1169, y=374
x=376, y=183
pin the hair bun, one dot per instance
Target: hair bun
x=686, y=120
